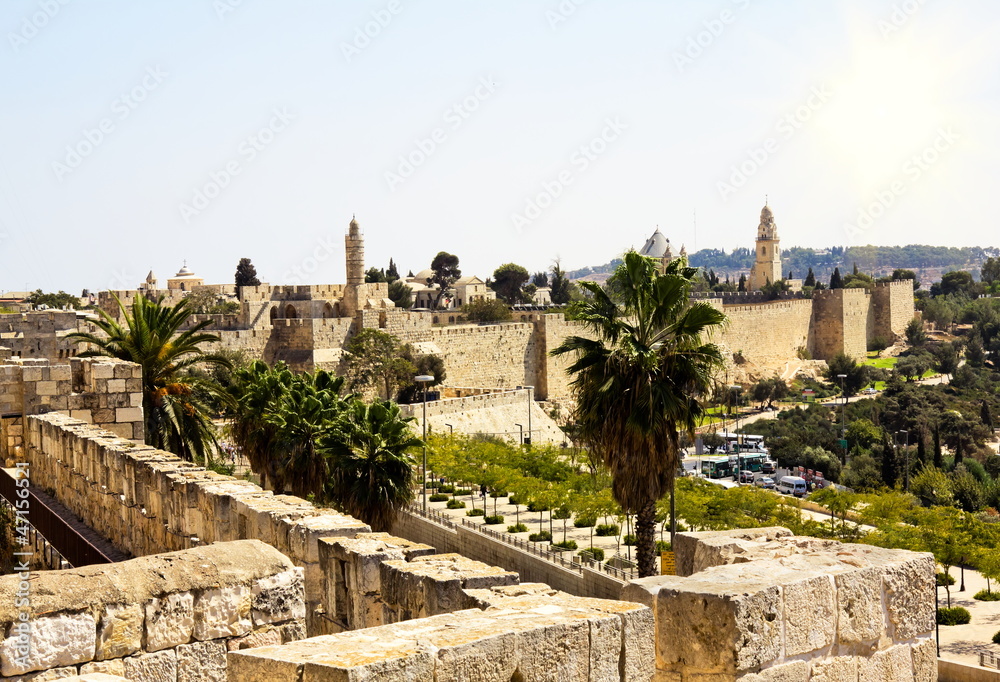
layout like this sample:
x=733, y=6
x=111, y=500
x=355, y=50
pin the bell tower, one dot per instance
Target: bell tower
x=354, y=248
x=767, y=265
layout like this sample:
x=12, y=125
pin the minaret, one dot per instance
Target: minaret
x=354, y=248
x=767, y=268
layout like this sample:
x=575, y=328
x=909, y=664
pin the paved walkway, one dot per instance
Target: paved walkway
x=963, y=642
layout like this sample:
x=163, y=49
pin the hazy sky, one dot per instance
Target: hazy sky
x=138, y=133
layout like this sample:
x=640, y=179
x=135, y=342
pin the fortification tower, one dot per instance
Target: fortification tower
x=767, y=268
x=354, y=248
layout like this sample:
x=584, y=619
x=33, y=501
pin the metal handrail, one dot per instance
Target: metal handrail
x=989, y=659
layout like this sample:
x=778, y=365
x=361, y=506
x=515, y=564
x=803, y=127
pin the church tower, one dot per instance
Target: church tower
x=767, y=267
x=354, y=248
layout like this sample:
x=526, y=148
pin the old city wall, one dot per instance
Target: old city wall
x=148, y=501
x=892, y=309
x=768, y=334
x=495, y=413
x=552, y=381
x=101, y=391
x=42, y=334
x=160, y=618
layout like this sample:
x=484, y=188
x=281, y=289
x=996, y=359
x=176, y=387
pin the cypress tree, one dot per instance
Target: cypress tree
x=938, y=459
x=921, y=448
x=986, y=416
x=889, y=468
x=836, y=281
x=743, y=282
x=959, y=455
x=810, y=280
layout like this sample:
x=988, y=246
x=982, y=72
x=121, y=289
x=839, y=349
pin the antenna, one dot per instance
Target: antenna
x=695, y=230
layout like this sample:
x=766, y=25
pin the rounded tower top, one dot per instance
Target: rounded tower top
x=767, y=228
x=354, y=229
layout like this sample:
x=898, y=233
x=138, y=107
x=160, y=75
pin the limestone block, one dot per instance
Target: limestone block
x=157, y=667
x=891, y=665
x=201, y=662
x=97, y=677
x=116, y=386
x=102, y=370
x=119, y=632
x=259, y=638
x=605, y=647
x=925, y=660
x=304, y=535
x=279, y=598
x=909, y=597
x=742, y=624
x=60, y=373
x=796, y=671
x=292, y=632
x=128, y=414
x=835, y=669
x=222, y=612
x=123, y=370
x=135, y=399
x=810, y=612
x=46, y=388
x=114, y=667
x=859, y=605
x=82, y=415
x=169, y=621
x=69, y=673
x=58, y=640
x=556, y=651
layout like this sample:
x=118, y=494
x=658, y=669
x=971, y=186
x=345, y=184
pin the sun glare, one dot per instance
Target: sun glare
x=886, y=106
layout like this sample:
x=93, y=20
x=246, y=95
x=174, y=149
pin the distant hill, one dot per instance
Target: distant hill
x=927, y=261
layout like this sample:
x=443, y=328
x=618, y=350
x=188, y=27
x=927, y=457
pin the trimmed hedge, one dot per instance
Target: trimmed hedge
x=544, y=536
x=943, y=579
x=584, y=521
x=455, y=504
x=983, y=595
x=593, y=553
x=953, y=616
x=629, y=540
x=475, y=511
x=517, y=528
x=567, y=544
x=996, y=637
x=607, y=529
x=439, y=497
x=494, y=520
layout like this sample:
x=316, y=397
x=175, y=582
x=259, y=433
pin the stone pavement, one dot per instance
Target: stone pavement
x=963, y=642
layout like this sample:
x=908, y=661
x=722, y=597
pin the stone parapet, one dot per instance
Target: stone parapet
x=765, y=605
x=154, y=619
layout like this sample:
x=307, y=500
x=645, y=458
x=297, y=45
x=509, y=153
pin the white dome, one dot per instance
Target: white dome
x=656, y=246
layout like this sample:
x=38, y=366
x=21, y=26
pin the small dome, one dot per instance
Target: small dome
x=766, y=215
x=184, y=271
x=150, y=277
x=424, y=275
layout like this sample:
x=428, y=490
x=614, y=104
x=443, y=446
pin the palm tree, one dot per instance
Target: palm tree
x=150, y=335
x=372, y=473
x=639, y=381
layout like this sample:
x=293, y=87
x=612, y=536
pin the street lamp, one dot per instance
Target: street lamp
x=739, y=452
x=529, y=389
x=451, y=429
x=424, y=379
x=843, y=427
x=520, y=434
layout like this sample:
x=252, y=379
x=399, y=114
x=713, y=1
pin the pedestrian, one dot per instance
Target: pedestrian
x=482, y=491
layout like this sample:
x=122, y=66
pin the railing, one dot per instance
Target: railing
x=73, y=546
x=989, y=659
x=574, y=563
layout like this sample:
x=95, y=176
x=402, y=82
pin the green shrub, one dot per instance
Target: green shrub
x=498, y=493
x=607, y=529
x=584, y=521
x=517, y=528
x=996, y=637
x=984, y=595
x=494, y=520
x=439, y=497
x=513, y=500
x=537, y=507
x=566, y=544
x=544, y=536
x=446, y=489
x=629, y=540
x=475, y=511
x=663, y=546
x=953, y=616
x=463, y=491
x=593, y=553
x=455, y=504
x=942, y=577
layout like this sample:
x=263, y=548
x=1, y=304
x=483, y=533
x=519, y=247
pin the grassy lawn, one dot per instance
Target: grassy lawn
x=881, y=363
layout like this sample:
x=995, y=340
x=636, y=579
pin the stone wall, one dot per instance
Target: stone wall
x=892, y=308
x=762, y=604
x=147, y=501
x=163, y=618
x=42, y=334
x=768, y=334
x=494, y=413
x=102, y=391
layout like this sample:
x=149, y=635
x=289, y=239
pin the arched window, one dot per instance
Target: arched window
x=327, y=311
x=290, y=312
x=336, y=309
x=381, y=319
x=274, y=314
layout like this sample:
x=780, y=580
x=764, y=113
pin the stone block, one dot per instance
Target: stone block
x=279, y=598
x=46, y=388
x=909, y=597
x=60, y=373
x=859, y=605
x=69, y=673
x=102, y=370
x=810, y=612
x=222, y=612
x=97, y=677
x=123, y=370
x=201, y=662
x=890, y=665
x=156, y=667
x=258, y=638
x=135, y=399
x=57, y=640
x=835, y=669
x=169, y=621
x=82, y=415
x=113, y=667
x=796, y=671
x=128, y=414
x=925, y=660
x=119, y=632
x=116, y=386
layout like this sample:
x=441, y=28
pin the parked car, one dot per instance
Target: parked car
x=869, y=391
x=792, y=485
x=767, y=482
x=746, y=477
x=768, y=467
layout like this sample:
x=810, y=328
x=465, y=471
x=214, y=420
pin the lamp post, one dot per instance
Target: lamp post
x=529, y=389
x=451, y=429
x=843, y=426
x=424, y=379
x=520, y=434
x=736, y=388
